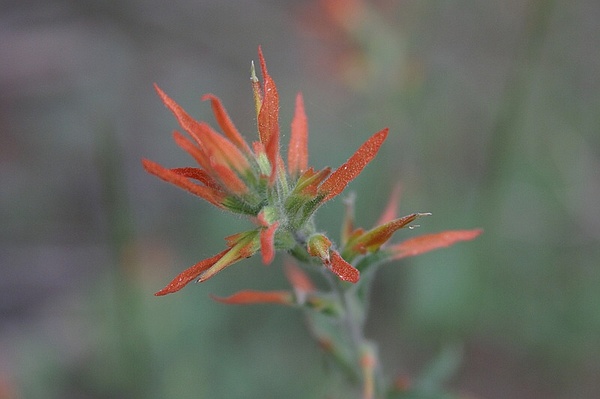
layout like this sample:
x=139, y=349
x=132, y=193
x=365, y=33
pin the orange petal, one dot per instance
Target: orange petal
x=252, y=297
x=198, y=174
x=298, y=150
x=209, y=194
x=267, y=243
x=309, y=181
x=211, y=143
x=343, y=269
x=376, y=237
x=268, y=118
x=419, y=245
x=338, y=180
x=230, y=179
x=391, y=209
x=226, y=123
x=221, y=150
x=348, y=221
x=185, y=120
x=196, y=152
x=190, y=274
x=299, y=280
x=247, y=244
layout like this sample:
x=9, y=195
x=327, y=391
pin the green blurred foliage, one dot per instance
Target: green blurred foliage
x=493, y=111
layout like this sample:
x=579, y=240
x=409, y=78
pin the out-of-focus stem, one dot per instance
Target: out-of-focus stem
x=363, y=351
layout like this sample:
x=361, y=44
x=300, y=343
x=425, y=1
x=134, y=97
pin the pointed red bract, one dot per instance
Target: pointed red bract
x=338, y=180
x=185, y=120
x=348, y=221
x=220, y=150
x=373, y=239
x=226, y=123
x=299, y=280
x=342, y=269
x=229, y=179
x=198, y=174
x=419, y=245
x=298, y=150
x=212, y=144
x=268, y=118
x=249, y=297
x=188, y=146
x=267, y=243
x=310, y=180
x=391, y=209
x=209, y=194
x=190, y=274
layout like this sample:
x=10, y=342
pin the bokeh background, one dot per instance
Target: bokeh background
x=494, y=115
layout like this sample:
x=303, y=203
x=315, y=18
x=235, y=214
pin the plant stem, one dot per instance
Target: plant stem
x=363, y=353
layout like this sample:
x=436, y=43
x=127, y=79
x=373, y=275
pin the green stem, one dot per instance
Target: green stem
x=364, y=356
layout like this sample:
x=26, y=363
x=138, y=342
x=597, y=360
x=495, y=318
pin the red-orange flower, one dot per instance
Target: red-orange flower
x=253, y=180
x=357, y=241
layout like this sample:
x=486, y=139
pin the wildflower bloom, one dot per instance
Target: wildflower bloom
x=252, y=180
x=357, y=241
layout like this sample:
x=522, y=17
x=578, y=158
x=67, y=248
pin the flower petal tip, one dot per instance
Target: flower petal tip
x=249, y=297
x=344, y=270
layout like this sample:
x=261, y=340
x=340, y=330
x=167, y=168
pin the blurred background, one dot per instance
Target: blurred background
x=493, y=109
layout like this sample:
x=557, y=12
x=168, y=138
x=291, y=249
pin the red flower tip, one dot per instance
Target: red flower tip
x=208, y=193
x=422, y=244
x=298, y=150
x=226, y=123
x=338, y=180
x=268, y=118
x=242, y=245
x=190, y=274
x=343, y=269
x=186, y=121
x=298, y=279
x=373, y=239
x=390, y=212
x=310, y=180
x=249, y=297
x=267, y=242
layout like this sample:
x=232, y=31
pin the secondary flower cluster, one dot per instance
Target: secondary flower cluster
x=281, y=199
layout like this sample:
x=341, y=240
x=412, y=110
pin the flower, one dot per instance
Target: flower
x=252, y=180
x=357, y=242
